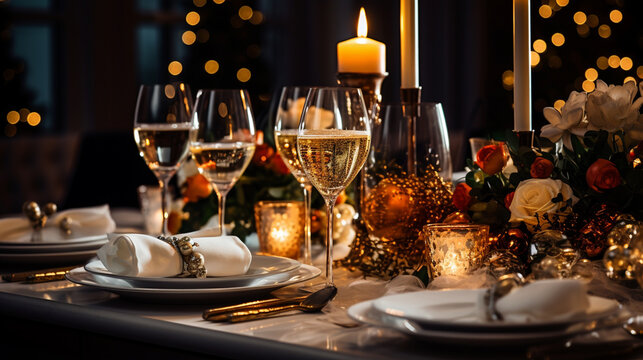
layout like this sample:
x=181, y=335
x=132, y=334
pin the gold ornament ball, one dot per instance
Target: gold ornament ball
x=390, y=209
x=50, y=209
x=32, y=210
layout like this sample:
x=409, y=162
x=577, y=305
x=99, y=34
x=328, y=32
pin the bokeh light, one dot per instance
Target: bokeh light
x=583, y=30
x=245, y=12
x=13, y=117
x=243, y=75
x=602, y=63
x=629, y=78
x=211, y=66
x=33, y=119
x=540, y=46
x=592, y=21
x=218, y=2
x=626, y=63
x=614, y=61
x=558, y=39
x=535, y=59
x=545, y=11
x=604, y=31
x=588, y=86
x=199, y=3
x=562, y=3
x=591, y=74
x=639, y=71
x=508, y=79
x=23, y=114
x=188, y=37
x=257, y=18
x=558, y=104
x=175, y=68
x=616, y=16
x=580, y=18
x=192, y=18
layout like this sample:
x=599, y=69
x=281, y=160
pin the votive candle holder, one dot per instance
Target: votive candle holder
x=455, y=249
x=280, y=227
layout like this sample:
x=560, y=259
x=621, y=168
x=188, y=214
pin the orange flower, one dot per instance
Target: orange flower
x=491, y=159
x=174, y=220
x=541, y=168
x=198, y=187
x=461, y=197
x=341, y=198
x=263, y=154
x=277, y=165
x=602, y=175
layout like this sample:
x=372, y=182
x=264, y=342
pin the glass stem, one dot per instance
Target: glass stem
x=163, y=183
x=307, y=223
x=330, y=205
x=221, y=196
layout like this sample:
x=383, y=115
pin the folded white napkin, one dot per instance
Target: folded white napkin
x=146, y=256
x=544, y=300
x=89, y=221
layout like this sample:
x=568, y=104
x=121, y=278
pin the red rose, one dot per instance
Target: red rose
x=603, y=175
x=541, y=168
x=461, y=197
x=491, y=159
x=509, y=198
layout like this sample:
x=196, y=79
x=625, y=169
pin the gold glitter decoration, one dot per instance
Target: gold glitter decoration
x=389, y=242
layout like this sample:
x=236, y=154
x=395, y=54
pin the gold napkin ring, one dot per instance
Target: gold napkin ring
x=193, y=262
x=38, y=217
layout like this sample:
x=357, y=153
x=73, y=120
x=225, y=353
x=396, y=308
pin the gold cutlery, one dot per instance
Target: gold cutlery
x=38, y=276
x=311, y=303
x=207, y=314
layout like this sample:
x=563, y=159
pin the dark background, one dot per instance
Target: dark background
x=77, y=64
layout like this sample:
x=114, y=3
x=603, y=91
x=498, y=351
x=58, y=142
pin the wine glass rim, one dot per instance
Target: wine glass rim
x=173, y=83
x=424, y=103
x=223, y=89
x=334, y=88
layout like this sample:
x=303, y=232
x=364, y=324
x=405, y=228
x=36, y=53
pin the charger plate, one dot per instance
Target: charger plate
x=262, y=266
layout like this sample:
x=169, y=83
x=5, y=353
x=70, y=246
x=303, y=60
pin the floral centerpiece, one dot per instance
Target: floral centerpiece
x=581, y=176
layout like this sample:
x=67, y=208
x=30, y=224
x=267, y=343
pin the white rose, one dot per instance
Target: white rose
x=566, y=122
x=613, y=108
x=533, y=198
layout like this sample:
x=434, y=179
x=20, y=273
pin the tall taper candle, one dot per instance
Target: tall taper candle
x=522, y=66
x=409, y=43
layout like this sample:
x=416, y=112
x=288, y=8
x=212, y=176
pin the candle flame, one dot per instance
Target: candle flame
x=362, y=25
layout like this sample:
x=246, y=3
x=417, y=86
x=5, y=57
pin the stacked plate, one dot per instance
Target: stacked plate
x=68, y=251
x=266, y=273
x=449, y=317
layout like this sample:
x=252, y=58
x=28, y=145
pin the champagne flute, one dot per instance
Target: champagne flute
x=289, y=110
x=162, y=127
x=333, y=142
x=224, y=142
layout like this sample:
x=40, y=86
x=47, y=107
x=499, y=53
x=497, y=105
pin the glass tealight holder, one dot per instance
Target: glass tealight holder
x=455, y=249
x=280, y=227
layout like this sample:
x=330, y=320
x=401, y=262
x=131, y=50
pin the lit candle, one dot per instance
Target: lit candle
x=361, y=54
x=409, y=43
x=522, y=66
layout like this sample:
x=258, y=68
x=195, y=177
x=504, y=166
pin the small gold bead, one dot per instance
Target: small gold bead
x=50, y=209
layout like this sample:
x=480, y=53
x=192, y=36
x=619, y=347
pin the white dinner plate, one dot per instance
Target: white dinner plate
x=456, y=309
x=366, y=313
x=57, y=258
x=261, y=267
x=250, y=292
x=87, y=243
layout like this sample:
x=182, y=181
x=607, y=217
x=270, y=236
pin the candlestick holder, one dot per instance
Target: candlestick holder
x=410, y=99
x=525, y=138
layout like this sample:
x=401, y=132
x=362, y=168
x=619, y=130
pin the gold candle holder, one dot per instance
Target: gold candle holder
x=455, y=249
x=280, y=227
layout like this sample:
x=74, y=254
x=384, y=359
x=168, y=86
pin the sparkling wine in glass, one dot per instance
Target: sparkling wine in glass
x=162, y=126
x=224, y=142
x=333, y=142
x=291, y=104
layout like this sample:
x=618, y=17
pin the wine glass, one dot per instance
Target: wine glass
x=333, y=142
x=289, y=110
x=162, y=127
x=224, y=142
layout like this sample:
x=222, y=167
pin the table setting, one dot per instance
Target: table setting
x=535, y=252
